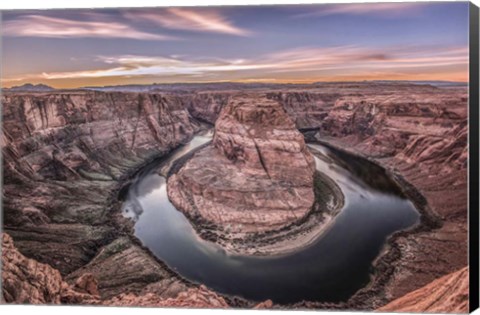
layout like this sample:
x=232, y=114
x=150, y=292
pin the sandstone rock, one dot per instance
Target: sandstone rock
x=87, y=283
x=264, y=305
x=82, y=131
x=65, y=247
x=25, y=280
x=449, y=294
x=307, y=109
x=206, y=106
x=122, y=266
x=408, y=121
x=195, y=298
x=257, y=175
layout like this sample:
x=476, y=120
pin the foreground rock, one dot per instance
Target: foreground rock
x=196, y=298
x=256, y=176
x=449, y=294
x=26, y=281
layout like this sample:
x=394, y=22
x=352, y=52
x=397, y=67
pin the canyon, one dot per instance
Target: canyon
x=68, y=155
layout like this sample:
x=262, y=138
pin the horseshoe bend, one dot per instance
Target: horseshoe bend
x=256, y=175
x=154, y=198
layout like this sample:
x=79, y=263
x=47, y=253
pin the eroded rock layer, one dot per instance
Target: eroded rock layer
x=257, y=174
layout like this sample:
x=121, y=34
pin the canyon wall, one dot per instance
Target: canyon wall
x=65, y=136
x=66, y=153
x=64, y=156
x=420, y=134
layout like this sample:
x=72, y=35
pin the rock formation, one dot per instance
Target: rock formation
x=26, y=281
x=88, y=135
x=449, y=294
x=206, y=106
x=308, y=110
x=256, y=176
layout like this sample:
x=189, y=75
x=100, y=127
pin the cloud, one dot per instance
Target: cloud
x=376, y=9
x=350, y=57
x=200, y=20
x=307, y=59
x=132, y=65
x=53, y=27
x=315, y=63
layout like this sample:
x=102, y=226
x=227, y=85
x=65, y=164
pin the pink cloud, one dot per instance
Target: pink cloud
x=45, y=26
x=379, y=9
x=185, y=19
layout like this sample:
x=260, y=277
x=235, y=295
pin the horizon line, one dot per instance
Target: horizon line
x=273, y=82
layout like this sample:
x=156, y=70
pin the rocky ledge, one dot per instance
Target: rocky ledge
x=256, y=175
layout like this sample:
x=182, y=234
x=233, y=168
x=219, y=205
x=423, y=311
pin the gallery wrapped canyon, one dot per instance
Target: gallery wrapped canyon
x=70, y=157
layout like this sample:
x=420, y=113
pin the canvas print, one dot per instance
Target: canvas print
x=258, y=157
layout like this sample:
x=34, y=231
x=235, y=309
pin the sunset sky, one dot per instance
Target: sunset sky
x=295, y=43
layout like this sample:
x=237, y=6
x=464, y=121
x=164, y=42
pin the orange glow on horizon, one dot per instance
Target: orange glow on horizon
x=80, y=83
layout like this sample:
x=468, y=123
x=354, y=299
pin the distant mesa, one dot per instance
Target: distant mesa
x=28, y=87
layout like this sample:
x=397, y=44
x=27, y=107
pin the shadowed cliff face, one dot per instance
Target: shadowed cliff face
x=257, y=175
x=418, y=127
x=78, y=135
x=65, y=153
x=206, y=106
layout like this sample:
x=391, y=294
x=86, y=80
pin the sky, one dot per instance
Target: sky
x=274, y=44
